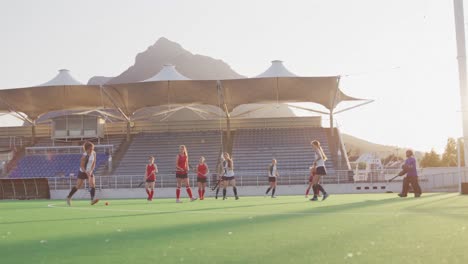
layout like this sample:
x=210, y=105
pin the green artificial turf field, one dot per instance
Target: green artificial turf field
x=364, y=228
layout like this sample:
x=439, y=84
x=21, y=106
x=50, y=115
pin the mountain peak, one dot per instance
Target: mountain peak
x=164, y=51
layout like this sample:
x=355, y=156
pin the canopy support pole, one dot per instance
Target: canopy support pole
x=33, y=133
x=128, y=131
x=120, y=111
x=227, y=146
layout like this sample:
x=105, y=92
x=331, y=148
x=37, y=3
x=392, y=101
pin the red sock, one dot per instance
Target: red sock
x=151, y=194
x=200, y=194
x=203, y=194
x=189, y=191
x=177, y=193
x=307, y=191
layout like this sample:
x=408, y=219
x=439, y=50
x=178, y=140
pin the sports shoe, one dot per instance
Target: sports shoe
x=193, y=199
x=178, y=201
x=401, y=195
x=224, y=198
x=307, y=196
x=417, y=195
x=237, y=197
x=95, y=201
x=314, y=198
x=68, y=201
x=273, y=196
x=325, y=196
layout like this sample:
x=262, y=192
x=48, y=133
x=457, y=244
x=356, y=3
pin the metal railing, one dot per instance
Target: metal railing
x=444, y=181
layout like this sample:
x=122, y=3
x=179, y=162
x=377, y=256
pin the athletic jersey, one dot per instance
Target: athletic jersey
x=182, y=163
x=272, y=171
x=411, y=164
x=89, y=161
x=228, y=171
x=318, y=159
x=151, y=172
x=202, y=170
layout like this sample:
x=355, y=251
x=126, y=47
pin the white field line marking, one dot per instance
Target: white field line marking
x=217, y=211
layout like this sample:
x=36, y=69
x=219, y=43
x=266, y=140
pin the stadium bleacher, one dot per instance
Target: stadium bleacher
x=60, y=161
x=255, y=148
x=51, y=165
x=164, y=146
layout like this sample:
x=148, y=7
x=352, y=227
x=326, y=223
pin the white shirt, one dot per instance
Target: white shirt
x=318, y=159
x=273, y=171
x=227, y=170
x=91, y=160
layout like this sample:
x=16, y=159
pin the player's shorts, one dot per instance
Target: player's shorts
x=228, y=178
x=321, y=171
x=202, y=180
x=83, y=175
x=271, y=179
x=181, y=175
x=150, y=180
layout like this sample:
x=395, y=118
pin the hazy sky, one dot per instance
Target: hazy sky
x=400, y=53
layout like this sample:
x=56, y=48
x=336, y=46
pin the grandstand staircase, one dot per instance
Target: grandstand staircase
x=118, y=155
x=11, y=165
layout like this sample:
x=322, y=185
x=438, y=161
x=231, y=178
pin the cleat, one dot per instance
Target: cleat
x=95, y=201
x=307, y=196
x=314, y=199
x=224, y=198
x=237, y=197
x=417, y=195
x=193, y=199
x=68, y=201
x=178, y=201
x=325, y=196
x=273, y=197
x=401, y=195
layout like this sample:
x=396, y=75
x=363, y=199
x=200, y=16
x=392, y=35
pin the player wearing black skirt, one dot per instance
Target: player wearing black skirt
x=272, y=178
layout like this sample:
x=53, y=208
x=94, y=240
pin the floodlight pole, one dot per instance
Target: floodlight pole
x=461, y=56
x=33, y=132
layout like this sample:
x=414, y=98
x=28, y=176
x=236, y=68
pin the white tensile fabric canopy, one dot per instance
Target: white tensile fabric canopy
x=170, y=88
x=167, y=73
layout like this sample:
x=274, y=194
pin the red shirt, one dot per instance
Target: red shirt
x=182, y=164
x=151, y=172
x=202, y=170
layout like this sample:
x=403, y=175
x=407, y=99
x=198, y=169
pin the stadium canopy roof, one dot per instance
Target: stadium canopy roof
x=130, y=97
x=63, y=78
x=167, y=73
x=277, y=69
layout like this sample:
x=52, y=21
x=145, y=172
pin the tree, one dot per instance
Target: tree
x=430, y=159
x=449, y=157
x=390, y=158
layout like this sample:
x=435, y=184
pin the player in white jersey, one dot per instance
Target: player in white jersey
x=87, y=166
x=272, y=178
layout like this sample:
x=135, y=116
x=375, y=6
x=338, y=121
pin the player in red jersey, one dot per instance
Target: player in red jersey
x=150, y=177
x=182, y=169
x=202, y=173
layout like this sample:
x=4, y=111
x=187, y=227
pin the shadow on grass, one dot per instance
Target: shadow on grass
x=311, y=211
